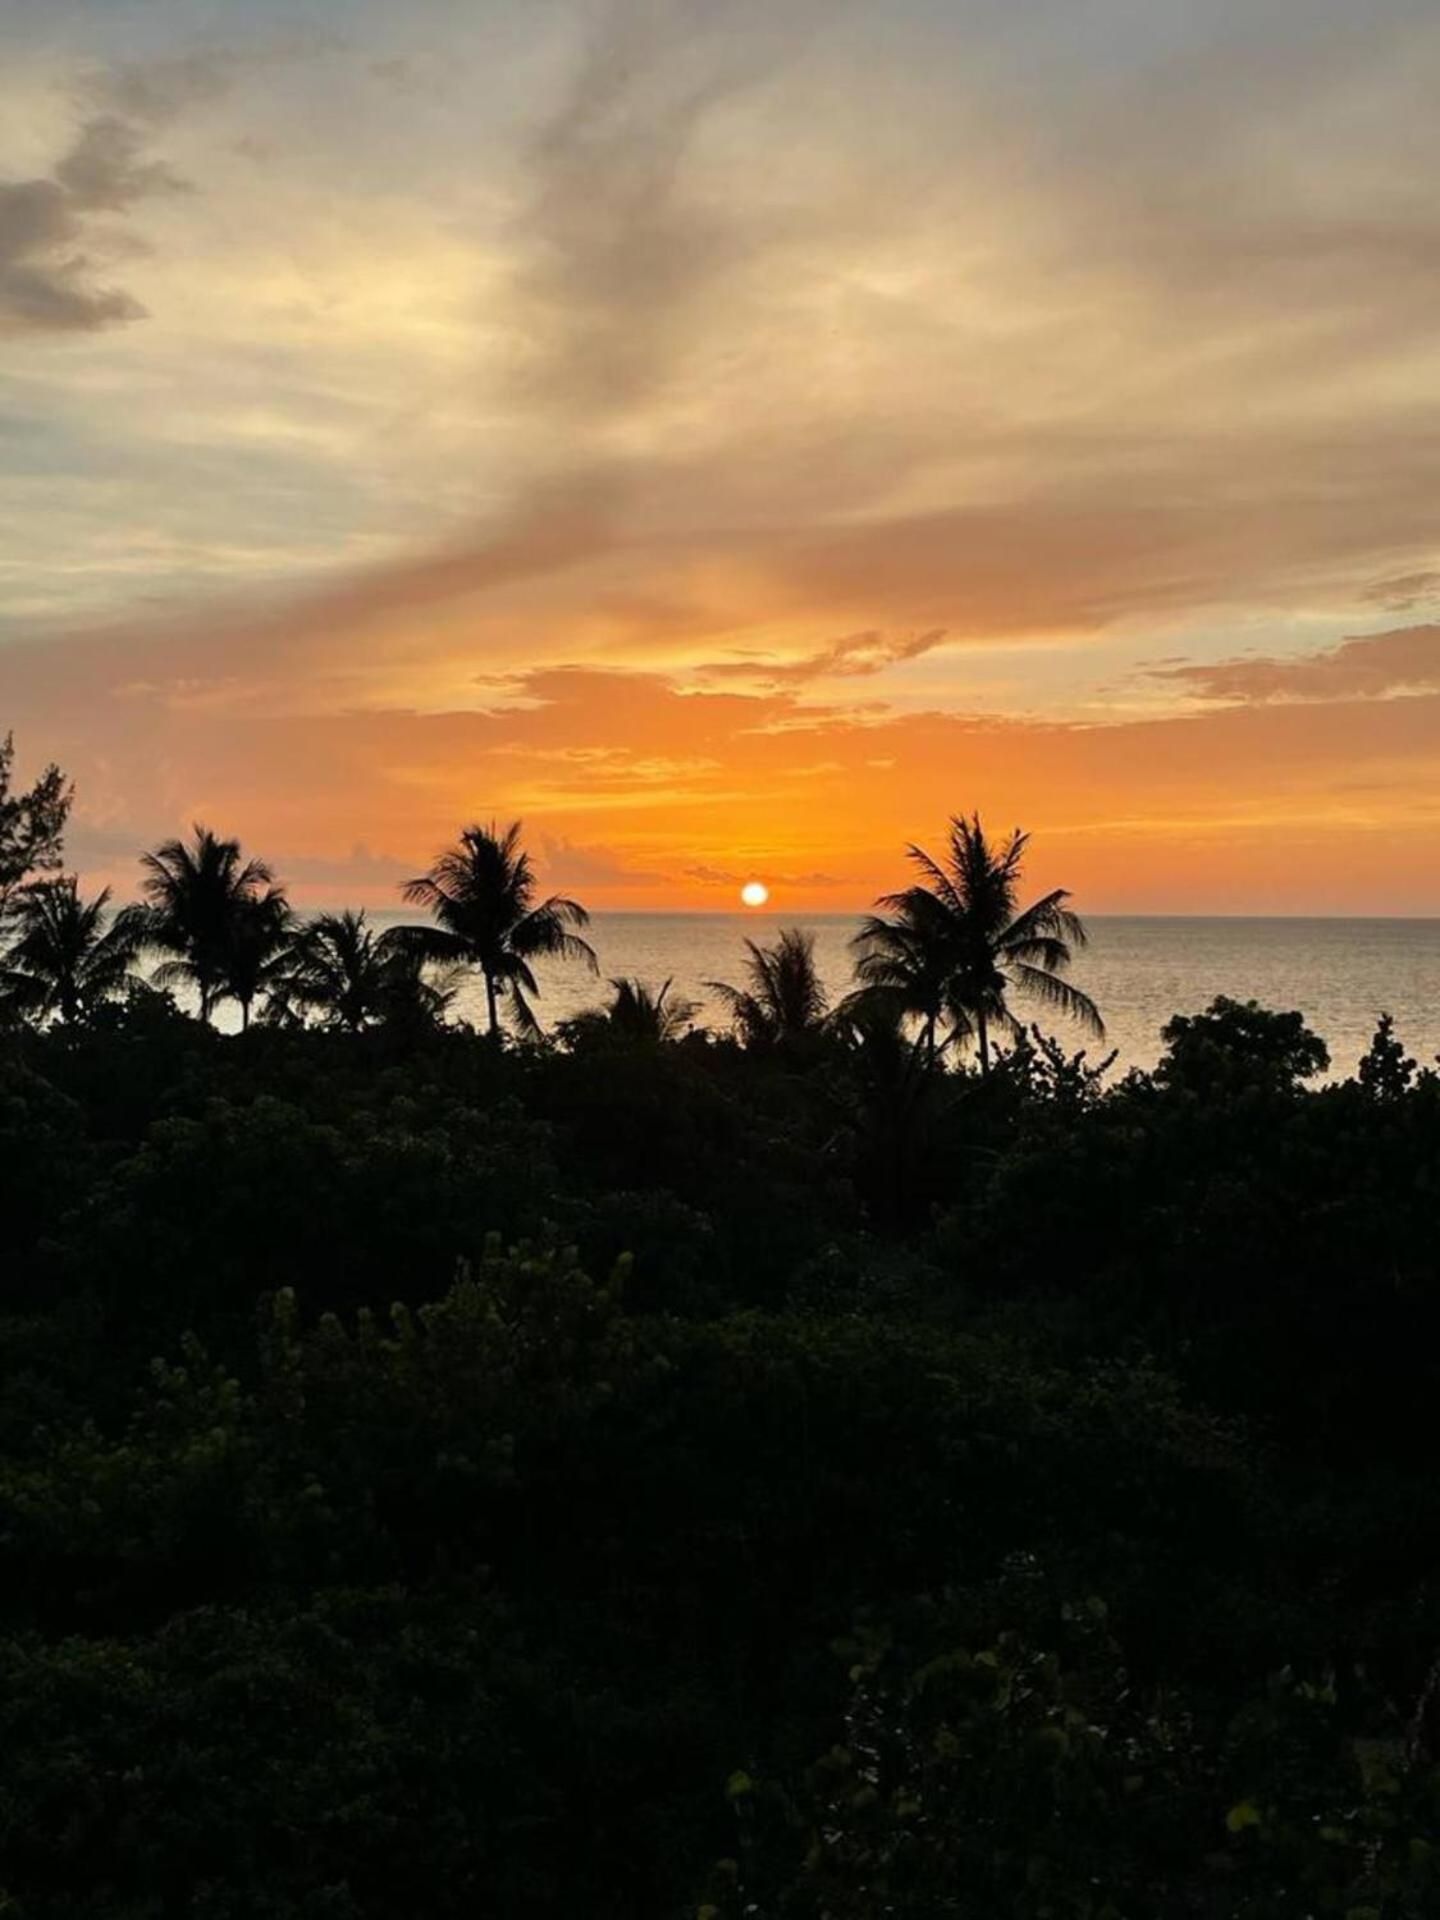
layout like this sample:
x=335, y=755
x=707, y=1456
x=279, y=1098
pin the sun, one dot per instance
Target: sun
x=754, y=893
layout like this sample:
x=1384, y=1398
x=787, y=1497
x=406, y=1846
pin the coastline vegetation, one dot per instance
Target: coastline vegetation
x=871, y=1461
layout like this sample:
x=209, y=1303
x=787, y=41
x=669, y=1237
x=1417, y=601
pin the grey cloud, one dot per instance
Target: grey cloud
x=156, y=92
x=1407, y=590
x=1373, y=667
x=723, y=877
x=106, y=169
x=45, y=283
x=569, y=865
x=362, y=866
x=47, y=279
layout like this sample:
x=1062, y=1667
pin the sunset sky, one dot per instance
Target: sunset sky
x=731, y=437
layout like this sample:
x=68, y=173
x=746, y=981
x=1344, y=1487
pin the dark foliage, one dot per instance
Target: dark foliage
x=32, y=826
x=784, y=1476
x=662, y=1474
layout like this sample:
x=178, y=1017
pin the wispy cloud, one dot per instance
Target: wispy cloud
x=1406, y=591
x=1374, y=667
x=706, y=876
x=568, y=865
x=854, y=656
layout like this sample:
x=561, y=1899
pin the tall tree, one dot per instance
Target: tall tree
x=32, y=826
x=784, y=998
x=891, y=1101
x=910, y=964
x=482, y=895
x=642, y=1013
x=636, y=1014
x=340, y=970
x=69, y=954
x=958, y=944
x=218, y=914
x=259, y=943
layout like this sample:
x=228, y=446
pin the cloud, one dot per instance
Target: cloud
x=621, y=251
x=51, y=227
x=377, y=875
x=48, y=282
x=1373, y=667
x=706, y=876
x=157, y=92
x=1294, y=805
x=105, y=170
x=940, y=367
x=1406, y=591
x=852, y=657
x=569, y=865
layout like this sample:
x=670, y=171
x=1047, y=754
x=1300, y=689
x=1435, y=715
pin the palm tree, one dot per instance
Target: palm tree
x=416, y=993
x=909, y=964
x=639, y=1013
x=636, y=1014
x=340, y=969
x=481, y=891
x=891, y=1102
x=221, y=916
x=65, y=960
x=785, y=999
x=259, y=944
x=957, y=944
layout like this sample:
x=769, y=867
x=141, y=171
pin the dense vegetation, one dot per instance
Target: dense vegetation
x=647, y=1472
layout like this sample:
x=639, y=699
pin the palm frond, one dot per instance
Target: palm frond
x=942, y=885
x=522, y=1013
x=426, y=943
x=1037, y=950
x=1062, y=996
x=1049, y=917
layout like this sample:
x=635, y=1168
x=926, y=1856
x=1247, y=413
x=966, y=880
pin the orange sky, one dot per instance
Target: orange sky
x=732, y=438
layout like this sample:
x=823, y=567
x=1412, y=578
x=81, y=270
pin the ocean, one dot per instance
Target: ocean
x=1341, y=974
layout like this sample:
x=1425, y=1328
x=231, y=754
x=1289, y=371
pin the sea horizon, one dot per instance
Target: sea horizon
x=1341, y=971
x=769, y=913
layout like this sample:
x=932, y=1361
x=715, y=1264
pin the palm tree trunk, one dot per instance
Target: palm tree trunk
x=983, y=1026
x=492, y=1001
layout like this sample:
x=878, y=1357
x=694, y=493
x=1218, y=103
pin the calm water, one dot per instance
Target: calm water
x=1340, y=974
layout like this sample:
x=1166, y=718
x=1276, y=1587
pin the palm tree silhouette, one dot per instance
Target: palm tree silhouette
x=481, y=891
x=785, y=999
x=221, y=916
x=639, y=1013
x=341, y=970
x=65, y=960
x=891, y=1101
x=957, y=944
x=259, y=944
x=909, y=965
